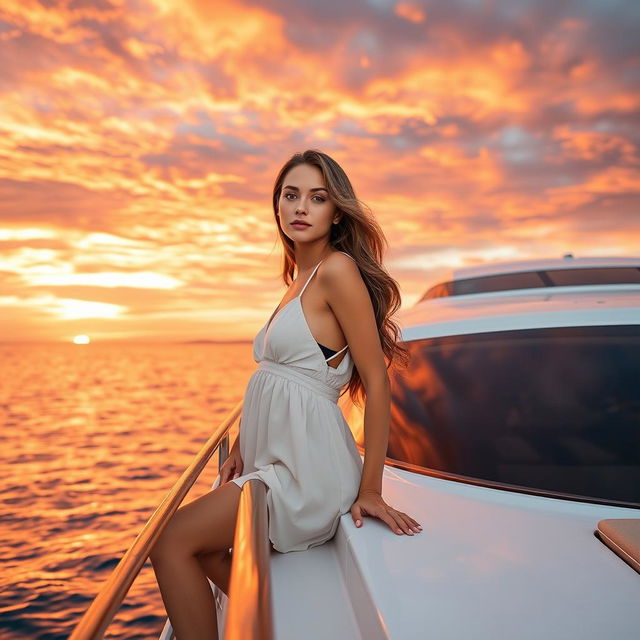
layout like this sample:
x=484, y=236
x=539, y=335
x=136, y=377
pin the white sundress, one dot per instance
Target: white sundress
x=293, y=435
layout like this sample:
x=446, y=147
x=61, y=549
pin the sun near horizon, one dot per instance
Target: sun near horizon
x=81, y=339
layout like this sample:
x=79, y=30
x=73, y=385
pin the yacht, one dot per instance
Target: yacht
x=514, y=441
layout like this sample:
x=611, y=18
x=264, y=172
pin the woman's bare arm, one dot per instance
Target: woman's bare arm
x=349, y=300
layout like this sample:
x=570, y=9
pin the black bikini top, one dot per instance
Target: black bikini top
x=327, y=352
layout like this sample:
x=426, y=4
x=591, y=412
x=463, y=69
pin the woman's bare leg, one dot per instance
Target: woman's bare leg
x=217, y=567
x=205, y=525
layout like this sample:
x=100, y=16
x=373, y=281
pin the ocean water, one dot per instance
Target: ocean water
x=92, y=437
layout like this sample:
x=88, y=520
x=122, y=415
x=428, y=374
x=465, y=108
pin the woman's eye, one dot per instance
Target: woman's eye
x=286, y=197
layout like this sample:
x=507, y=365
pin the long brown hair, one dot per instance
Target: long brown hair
x=359, y=235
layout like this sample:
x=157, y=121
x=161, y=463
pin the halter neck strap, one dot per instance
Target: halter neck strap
x=316, y=268
x=309, y=278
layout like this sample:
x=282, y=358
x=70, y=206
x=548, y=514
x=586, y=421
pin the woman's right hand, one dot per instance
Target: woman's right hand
x=232, y=467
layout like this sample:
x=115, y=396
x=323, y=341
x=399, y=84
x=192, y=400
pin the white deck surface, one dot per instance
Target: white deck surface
x=494, y=564
x=309, y=595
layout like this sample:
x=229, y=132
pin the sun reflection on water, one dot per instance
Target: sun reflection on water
x=93, y=440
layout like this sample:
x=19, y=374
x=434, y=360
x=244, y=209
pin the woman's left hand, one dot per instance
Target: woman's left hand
x=370, y=503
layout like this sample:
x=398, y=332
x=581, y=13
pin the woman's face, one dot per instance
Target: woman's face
x=304, y=199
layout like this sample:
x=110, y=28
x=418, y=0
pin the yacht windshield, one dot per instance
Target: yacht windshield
x=535, y=279
x=555, y=409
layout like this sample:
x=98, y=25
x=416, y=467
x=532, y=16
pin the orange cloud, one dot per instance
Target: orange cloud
x=139, y=142
x=410, y=11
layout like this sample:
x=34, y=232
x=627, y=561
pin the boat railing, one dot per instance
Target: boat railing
x=249, y=612
x=251, y=538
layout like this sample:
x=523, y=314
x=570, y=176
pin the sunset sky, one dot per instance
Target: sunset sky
x=140, y=140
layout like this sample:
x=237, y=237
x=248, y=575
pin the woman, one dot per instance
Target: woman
x=293, y=436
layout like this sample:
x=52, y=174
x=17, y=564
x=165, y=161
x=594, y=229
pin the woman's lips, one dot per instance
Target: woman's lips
x=300, y=225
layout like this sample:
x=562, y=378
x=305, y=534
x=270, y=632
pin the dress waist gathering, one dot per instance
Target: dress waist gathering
x=286, y=371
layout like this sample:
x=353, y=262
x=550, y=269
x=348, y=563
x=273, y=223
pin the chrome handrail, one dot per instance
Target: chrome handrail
x=249, y=612
x=98, y=616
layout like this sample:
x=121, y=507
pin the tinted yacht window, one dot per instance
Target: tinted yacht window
x=555, y=409
x=573, y=277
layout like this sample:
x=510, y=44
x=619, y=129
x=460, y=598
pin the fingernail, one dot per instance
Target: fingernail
x=358, y=523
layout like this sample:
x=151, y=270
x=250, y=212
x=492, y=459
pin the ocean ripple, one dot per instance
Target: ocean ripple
x=93, y=437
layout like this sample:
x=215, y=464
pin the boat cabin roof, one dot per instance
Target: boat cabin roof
x=536, y=274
